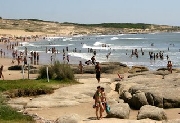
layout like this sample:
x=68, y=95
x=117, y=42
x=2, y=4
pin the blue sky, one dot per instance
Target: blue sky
x=94, y=11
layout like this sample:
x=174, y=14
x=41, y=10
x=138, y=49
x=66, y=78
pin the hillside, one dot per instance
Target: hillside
x=48, y=27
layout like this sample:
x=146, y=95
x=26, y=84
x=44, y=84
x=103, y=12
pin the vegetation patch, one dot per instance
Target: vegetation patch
x=57, y=71
x=19, y=67
x=10, y=115
x=60, y=75
x=19, y=88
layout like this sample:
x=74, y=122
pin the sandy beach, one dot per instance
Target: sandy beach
x=84, y=107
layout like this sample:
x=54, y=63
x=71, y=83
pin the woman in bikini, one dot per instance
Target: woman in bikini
x=98, y=103
x=103, y=101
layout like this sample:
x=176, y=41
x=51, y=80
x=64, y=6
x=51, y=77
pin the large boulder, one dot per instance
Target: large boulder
x=151, y=112
x=138, y=100
x=70, y=118
x=119, y=110
x=126, y=96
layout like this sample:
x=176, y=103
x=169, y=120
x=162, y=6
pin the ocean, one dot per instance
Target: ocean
x=118, y=46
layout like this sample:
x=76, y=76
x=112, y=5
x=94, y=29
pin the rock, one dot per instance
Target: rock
x=106, y=67
x=137, y=69
x=158, y=98
x=151, y=112
x=138, y=100
x=150, y=98
x=133, y=75
x=126, y=96
x=162, y=69
x=119, y=110
x=162, y=93
x=160, y=72
x=70, y=118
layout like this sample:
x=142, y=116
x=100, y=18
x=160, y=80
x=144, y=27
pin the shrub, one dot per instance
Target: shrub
x=16, y=67
x=57, y=71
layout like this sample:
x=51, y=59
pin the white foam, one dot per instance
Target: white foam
x=86, y=56
x=133, y=38
x=67, y=39
x=98, y=43
x=114, y=38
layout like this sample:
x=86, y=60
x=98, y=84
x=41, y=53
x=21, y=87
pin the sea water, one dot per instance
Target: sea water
x=119, y=46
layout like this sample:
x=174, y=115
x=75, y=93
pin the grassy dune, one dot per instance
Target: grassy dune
x=66, y=28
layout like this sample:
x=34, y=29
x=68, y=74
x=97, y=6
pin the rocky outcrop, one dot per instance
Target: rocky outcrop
x=106, y=67
x=150, y=89
x=70, y=118
x=151, y=112
x=119, y=110
x=137, y=69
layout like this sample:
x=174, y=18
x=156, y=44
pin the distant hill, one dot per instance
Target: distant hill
x=66, y=28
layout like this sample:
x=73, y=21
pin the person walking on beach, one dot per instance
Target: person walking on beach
x=98, y=71
x=1, y=74
x=80, y=67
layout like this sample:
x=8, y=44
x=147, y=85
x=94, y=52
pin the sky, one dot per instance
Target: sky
x=164, y=12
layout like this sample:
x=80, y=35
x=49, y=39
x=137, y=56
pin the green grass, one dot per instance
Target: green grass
x=10, y=115
x=7, y=85
x=19, y=88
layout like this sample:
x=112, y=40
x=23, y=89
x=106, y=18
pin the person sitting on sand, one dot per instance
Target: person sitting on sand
x=1, y=74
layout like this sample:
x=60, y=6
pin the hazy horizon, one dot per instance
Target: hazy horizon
x=161, y=12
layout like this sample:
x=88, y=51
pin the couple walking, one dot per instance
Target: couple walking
x=100, y=102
